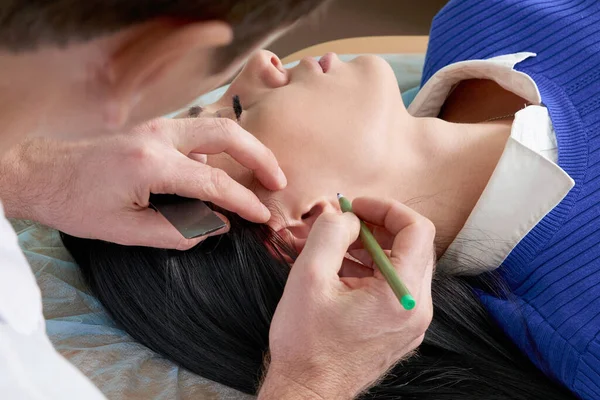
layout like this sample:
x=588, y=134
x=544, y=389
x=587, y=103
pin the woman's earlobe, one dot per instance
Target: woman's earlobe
x=288, y=237
x=298, y=231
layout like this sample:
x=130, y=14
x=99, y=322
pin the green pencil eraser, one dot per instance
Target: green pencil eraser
x=408, y=302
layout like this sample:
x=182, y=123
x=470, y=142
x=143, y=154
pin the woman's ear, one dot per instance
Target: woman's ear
x=299, y=228
x=162, y=47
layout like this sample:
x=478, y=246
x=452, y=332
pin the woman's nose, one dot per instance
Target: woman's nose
x=268, y=69
x=263, y=72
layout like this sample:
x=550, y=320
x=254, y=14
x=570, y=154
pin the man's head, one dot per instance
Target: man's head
x=100, y=65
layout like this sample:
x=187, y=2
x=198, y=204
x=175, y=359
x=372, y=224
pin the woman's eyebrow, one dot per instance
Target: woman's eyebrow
x=195, y=111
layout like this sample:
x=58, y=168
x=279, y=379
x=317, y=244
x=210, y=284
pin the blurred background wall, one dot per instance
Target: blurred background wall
x=358, y=18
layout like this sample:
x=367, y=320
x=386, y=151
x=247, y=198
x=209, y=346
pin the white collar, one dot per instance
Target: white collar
x=526, y=184
x=432, y=96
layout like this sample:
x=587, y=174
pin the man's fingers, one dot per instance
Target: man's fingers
x=218, y=135
x=413, y=256
x=383, y=237
x=189, y=178
x=149, y=228
x=352, y=269
x=391, y=214
x=412, y=250
x=327, y=245
x=364, y=257
x=203, y=158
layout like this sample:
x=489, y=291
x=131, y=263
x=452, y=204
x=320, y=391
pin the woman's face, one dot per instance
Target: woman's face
x=328, y=123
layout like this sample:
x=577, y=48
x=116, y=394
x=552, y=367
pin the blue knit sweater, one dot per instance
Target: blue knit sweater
x=555, y=270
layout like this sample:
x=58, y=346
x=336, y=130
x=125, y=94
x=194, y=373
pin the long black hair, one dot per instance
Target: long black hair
x=209, y=309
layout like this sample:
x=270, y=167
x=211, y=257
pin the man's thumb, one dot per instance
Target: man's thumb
x=327, y=244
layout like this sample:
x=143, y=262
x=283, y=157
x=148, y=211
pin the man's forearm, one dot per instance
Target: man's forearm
x=29, y=178
x=14, y=181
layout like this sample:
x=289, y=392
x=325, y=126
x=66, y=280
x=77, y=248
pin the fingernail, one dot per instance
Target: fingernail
x=281, y=178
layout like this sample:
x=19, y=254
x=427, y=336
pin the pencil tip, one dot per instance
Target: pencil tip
x=340, y=195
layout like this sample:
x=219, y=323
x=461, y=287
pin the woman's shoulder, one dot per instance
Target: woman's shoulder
x=562, y=34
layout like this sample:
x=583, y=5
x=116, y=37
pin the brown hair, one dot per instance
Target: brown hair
x=28, y=24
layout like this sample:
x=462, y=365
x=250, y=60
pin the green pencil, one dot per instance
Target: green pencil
x=381, y=260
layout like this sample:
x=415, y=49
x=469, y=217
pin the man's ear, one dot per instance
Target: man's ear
x=149, y=56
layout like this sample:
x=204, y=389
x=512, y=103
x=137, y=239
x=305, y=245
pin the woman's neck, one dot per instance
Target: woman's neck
x=445, y=163
x=443, y=168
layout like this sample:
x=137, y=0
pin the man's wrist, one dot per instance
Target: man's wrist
x=308, y=383
x=280, y=387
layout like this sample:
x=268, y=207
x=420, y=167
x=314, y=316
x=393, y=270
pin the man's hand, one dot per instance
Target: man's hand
x=333, y=336
x=100, y=188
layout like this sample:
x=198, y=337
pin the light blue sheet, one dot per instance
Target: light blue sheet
x=81, y=330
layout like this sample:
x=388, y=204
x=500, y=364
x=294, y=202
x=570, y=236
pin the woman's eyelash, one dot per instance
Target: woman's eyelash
x=237, y=107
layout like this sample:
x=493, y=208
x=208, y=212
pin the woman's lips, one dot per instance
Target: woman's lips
x=323, y=65
x=311, y=63
x=325, y=61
